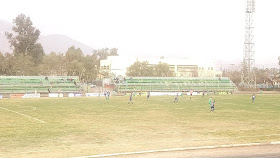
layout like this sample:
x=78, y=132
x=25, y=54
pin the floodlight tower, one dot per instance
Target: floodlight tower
x=248, y=74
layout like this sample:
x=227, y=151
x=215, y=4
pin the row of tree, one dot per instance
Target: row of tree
x=72, y=63
x=263, y=76
x=144, y=69
x=28, y=57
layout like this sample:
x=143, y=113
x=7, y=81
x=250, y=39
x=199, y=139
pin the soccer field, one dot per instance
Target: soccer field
x=68, y=127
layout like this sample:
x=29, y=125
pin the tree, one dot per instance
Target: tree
x=53, y=64
x=234, y=76
x=162, y=70
x=74, y=54
x=16, y=65
x=90, y=68
x=72, y=63
x=62, y=64
x=113, y=52
x=75, y=68
x=23, y=65
x=266, y=76
x=75, y=65
x=278, y=72
x=25, y=40
x=141, y=69
x=8, y=64
x=2, y=68
x=103, y=53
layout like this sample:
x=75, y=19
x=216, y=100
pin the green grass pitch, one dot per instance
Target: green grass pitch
x=66, y=127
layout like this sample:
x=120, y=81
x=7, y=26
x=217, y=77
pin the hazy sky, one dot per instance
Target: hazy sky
x=185, y=28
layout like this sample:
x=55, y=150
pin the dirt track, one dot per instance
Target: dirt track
x=260, y=151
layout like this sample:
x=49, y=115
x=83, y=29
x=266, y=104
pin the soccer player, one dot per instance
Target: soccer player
x=210, y=101
x=213, y=106
x=148, y=95
x=130, y=99
x=114, y=93
x=105, y=94
x=253, y=98
x=203, y=93
x=176, y=99
x=191, y=94
x=261, y=92
x=108, y=95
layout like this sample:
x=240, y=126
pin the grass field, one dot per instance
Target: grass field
x=67, y=127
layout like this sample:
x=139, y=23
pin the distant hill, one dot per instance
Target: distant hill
x=56, y=43
x=61, y=43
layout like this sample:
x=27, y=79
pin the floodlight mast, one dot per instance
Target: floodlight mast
x=248, y=75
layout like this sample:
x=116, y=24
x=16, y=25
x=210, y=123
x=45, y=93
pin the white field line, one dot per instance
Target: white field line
x=175, y=149
x=223, y=138
x=24, y=115
x=33, y=151
x=25, y=152
x=32, y=107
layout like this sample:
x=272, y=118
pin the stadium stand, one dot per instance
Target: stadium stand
x=174, y=84
x=39, y=84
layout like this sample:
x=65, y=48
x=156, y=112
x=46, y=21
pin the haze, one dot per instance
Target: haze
x=211, y=29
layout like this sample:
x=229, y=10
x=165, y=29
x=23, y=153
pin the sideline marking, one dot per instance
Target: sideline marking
x=25, y=152
x=176, y=149
x=24, y=115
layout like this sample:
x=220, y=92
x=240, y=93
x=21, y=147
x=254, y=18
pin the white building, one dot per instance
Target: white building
x=117, y=66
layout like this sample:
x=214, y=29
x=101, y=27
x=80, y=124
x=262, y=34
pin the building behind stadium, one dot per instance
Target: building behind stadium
x=182, y=67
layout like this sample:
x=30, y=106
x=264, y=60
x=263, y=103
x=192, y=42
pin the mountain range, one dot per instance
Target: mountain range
x=51, y=43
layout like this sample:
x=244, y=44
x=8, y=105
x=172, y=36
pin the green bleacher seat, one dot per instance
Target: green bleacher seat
x=222, y=84
x=30, y=84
